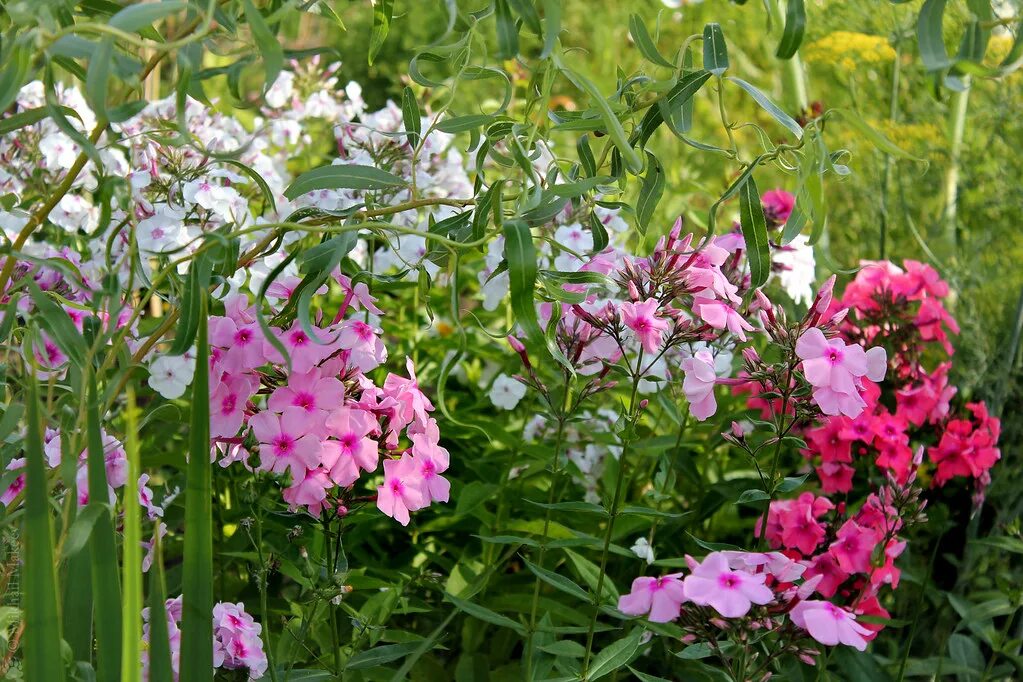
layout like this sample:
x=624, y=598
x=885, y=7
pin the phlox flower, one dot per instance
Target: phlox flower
x=243, y=343
x=720, y=315
x=401, y=492
x=829, y=624
x=227, y=404
x=285, y=442
x=730, y=593
x=854, y=547
x=698, y=384
x=304, y=352
x=834, y=369
x=311, y=391
x=309, y=492
x=642, y=319
x=431, y=460
x=659, y=599
x=506, y=392
x=146, y=498
x=366, y=351
x=413, y=403
x=352, y=449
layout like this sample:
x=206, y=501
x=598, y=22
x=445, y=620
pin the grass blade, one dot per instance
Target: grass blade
x=160, y=669
x=106, y=585
x=197, y=577
x=43, y=660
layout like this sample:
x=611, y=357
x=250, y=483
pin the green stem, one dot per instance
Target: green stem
x=264, y=612
x=957, y=127
x=893, y=113
x=613, y=512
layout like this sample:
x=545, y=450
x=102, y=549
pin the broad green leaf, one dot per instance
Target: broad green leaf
x=348, y=176
x=715, y=52
x=41, y=647
x=754, y=232
x=197, y=571
x=641, y=37
x=795, y=27
x=559, y=582
x=650, y=192
x=770, y=107
x=615, y=656
x=383, y=10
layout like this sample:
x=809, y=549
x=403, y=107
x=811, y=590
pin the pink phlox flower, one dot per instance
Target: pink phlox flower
x=285, y=442
x=829, y=440
x=227, y=404
x=730, y=593
x=831, y=574
x=366, y=351
x=313, y=392
x=309, y=492
x=413, y=403
x=698, y=384
x=642, y=319
x=829, y=624
x=243, y=344
x=146, y=498
x=800, y=528
x=304, y=352
x=17, y=485
x=854, y=546
x=358, y=294
x=402, y=489
x=659, y=599
x=352, y=448
x=834, y=369
x=431, y=460
x=720, y=315
x=778, y=205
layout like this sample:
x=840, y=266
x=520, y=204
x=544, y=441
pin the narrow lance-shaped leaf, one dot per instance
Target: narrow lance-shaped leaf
x=795, y=27
x=615, y=655
x=646, y=45
x=383, y=10
x=650, y=193
x=611, y=122
x=106, y=585
x=131, y=614
x=754, y=232
x=349, y=176
x=715, y=52
x=411, y=117
x=43, y=660
x=770, y=107
x=929, y=37
x=551, y=26
x=270, y=50
x=160, y=669
x=197, y=573
x=507, y=31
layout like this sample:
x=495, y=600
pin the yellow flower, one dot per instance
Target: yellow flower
x=847, y=50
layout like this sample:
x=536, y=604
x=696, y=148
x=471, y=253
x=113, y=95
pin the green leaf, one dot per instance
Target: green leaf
x=754, y=231
x=98, y=75
x=640, y=36
x=81, y=529
x=197, y=570
x=672, y=109
x=380, y=655
x=412, y=118
x=269, y=48
x=58, y=325
x=1002, y=542
x=589, y=573
x=160, y=669
x=196, y=286
x=929, y=36
x=29, y=117
x=507, y=31
x=615, y=656
x=752, y=495
x=551, y=26
x=559, y=582
x=135, y=17
x=382, y=12
x=349, y=176
x=485, y=614
x=879, y=141
x=460, y=124
x=715, y=52
x=106, y=584
x=41, y=647
x=574, y=507
x=650, y=192
x=770, y=107
x=795, y=26
x=644, y=677
x=131, y=611
x=612, y=125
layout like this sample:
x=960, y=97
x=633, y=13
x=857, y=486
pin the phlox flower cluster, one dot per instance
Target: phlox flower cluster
x=236, y=639
x=744, y=595
x=324, y=423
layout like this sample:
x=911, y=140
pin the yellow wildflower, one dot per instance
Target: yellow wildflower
x=847, y=50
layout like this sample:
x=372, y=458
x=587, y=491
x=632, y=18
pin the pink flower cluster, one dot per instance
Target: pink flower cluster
x=324, y=423
x=902, y=310
x=733, y=584
x=236, y=639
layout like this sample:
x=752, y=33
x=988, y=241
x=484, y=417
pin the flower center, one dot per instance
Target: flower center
x=729, y=581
